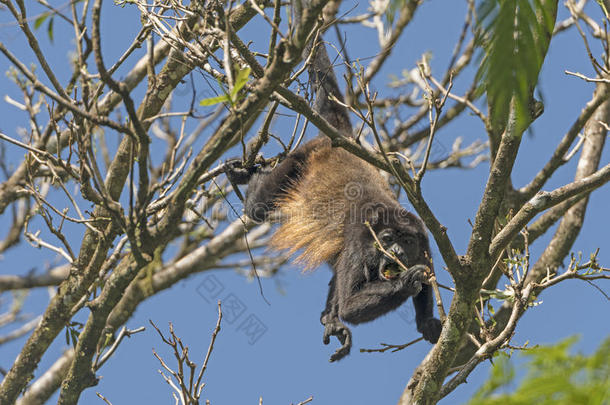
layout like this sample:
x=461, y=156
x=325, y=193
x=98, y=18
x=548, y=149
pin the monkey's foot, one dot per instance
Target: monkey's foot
x=431, y=330
x=343, y=334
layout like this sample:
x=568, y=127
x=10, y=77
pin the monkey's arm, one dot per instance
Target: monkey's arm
x=362, y=302
x=378, y=297
x=427, y=324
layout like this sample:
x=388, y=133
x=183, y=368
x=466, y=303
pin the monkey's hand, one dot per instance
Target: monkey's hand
x=342, y=332
x=413, y=278
x=236, y=173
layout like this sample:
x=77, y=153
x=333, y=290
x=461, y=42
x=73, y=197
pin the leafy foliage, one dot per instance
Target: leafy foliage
x=41, y=19
x=554, y=377
x=514, y=35
x=233, y=95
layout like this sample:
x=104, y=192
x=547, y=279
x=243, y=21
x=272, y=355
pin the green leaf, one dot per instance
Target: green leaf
x=224, y=98
x=74, y=335
x=41, y=18
x=514, y=36
x=490, y=308
x=50, y=29
x=107, y=341
x=240, y=81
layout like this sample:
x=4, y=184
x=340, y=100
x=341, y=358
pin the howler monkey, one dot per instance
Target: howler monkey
x=329, y=201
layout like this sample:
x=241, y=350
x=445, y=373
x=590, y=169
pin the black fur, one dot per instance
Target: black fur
x=360, y=289
x=266, y=185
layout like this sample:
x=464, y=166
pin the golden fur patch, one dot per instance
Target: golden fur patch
x=315, y=208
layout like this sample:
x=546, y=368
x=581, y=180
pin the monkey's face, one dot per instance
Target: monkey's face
x=402, y=245
x=397, y=232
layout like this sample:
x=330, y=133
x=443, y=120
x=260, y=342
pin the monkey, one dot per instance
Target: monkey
x=334, y=207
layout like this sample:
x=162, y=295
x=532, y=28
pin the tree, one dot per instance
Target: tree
x=163, y=182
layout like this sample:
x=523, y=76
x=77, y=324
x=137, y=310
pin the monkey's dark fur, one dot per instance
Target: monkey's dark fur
x=325, y=197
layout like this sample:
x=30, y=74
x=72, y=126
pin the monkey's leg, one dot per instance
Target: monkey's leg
x=333, y=325
x=427, y=325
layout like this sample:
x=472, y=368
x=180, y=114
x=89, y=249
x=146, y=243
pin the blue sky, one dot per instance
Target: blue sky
x=286, y=361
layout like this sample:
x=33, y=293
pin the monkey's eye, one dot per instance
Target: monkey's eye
x=386, y=238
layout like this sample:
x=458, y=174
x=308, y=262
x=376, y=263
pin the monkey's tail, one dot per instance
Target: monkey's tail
x=324, y=82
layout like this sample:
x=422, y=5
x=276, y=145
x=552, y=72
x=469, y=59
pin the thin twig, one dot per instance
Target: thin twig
x=394, y=348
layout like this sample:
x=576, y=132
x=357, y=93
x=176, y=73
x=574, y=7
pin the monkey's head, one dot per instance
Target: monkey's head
x=402, y=235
